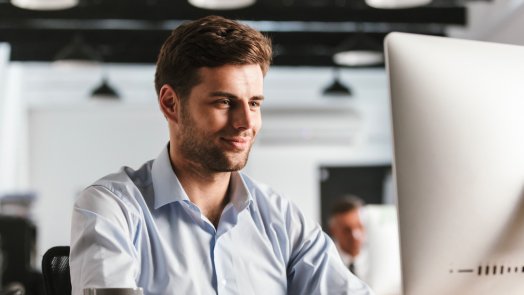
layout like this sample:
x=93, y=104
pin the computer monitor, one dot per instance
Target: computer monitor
x=458, y=136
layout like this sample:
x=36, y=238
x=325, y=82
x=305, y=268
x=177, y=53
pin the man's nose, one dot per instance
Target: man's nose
x=243, y=117
x=357, y=234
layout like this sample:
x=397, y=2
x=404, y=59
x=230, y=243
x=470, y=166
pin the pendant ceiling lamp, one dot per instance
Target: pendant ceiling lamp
x=396, y=4
x=358, y=58
x=336, y=88
x=105, y=91
x=358, y=51
x=221, y=4
x=45, y=4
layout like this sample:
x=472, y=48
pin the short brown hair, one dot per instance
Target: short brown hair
x=211, y=41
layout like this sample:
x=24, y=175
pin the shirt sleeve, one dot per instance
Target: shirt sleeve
x=315, y=266
x=102, y=252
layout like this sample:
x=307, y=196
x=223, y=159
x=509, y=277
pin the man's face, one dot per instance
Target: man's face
x=221, y=117
x=348, y=230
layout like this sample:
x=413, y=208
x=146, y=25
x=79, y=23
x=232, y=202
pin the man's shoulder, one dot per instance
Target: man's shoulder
x=126, y=176
x=259, y=190
x=266, y=198
x=123, y=184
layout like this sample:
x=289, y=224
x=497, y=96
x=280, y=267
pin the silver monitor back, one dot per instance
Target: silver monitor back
x=458, y=133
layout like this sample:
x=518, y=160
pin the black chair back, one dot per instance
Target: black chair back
x=17, y=238
x=55, y=268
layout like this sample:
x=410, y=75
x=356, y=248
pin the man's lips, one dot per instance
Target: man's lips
x=237, y=142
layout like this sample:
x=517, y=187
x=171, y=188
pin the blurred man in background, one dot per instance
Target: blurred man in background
x=347, y=230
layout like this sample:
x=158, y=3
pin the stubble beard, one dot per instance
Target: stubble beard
x=198, y=146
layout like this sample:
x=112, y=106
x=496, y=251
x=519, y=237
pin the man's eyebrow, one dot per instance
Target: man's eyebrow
x=231, y=95
x=223, y=93
x=258, y=97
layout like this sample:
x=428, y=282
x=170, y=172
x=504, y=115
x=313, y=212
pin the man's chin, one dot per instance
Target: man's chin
x=234, y=167
x=227, y=161
x=231, y=169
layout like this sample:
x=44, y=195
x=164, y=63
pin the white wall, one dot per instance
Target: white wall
x=74, y=140
x=5, y=150
x=13, y=155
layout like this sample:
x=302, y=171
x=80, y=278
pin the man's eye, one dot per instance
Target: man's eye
x=224, y=102
x=255, y=104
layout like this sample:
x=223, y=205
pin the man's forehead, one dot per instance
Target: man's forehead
x=352, y=214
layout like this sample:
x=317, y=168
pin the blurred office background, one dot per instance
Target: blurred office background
x=77, y=99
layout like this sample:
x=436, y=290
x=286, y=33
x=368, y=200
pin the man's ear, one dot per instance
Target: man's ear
x=169, y=103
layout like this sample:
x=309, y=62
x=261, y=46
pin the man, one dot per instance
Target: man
x=189, y=222
x=347, y=229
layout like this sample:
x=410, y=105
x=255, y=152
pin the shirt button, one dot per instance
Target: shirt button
x=224, y=282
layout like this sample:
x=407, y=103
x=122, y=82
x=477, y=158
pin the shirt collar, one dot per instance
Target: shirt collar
x=165, y=182
x=240, y=195
x=168, y=189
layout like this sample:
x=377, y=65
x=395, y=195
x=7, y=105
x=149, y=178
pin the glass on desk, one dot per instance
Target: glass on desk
x=113, y=291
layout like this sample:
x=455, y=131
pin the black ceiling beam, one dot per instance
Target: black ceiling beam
x=436, y=15
x=132, y=31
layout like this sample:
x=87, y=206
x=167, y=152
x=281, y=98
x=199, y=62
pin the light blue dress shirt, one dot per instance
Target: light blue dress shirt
x=139, y=228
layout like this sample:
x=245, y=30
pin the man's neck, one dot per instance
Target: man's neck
x=210, y=194
x=346, y=257
x=208, y=190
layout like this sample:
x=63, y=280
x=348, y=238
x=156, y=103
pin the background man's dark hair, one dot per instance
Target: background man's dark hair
x=211, y=41
x=345, y=204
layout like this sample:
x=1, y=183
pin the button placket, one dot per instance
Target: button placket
x=226, y=283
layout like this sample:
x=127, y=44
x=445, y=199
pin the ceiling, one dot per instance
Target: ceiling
x=304, y=32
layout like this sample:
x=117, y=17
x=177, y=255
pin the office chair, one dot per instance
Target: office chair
x=55, y=268
x=17, y=244
x=17, y=239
